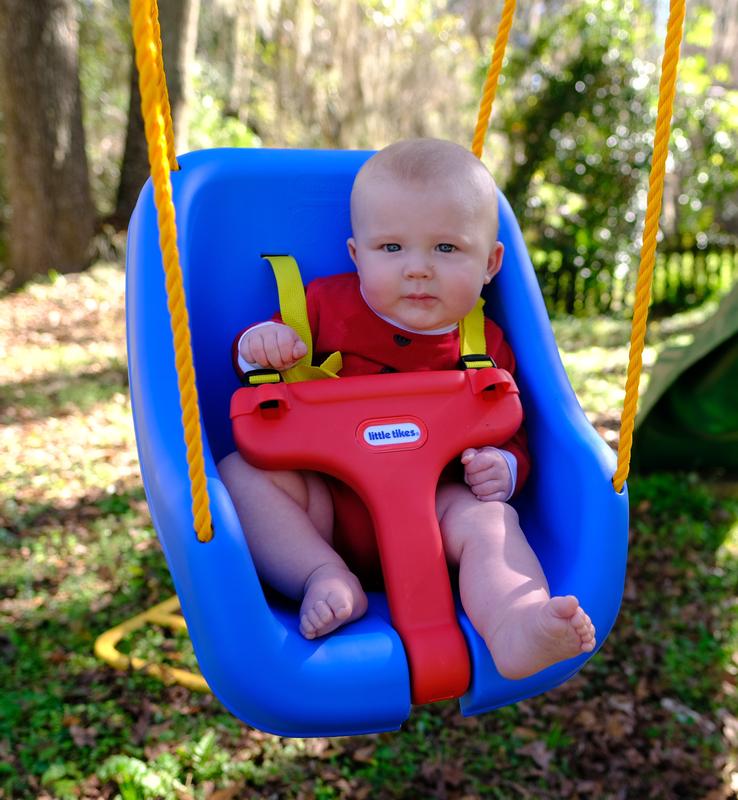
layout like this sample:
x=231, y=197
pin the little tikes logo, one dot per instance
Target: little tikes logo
x=392, y=434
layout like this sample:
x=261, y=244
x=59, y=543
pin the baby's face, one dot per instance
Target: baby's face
x=423, y=253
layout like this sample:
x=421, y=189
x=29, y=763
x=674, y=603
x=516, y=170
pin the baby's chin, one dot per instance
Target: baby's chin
x=426, y=314
x=427, y=326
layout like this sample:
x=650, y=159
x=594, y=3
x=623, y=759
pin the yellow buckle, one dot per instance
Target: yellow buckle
x=258, y=377
x=477, y=361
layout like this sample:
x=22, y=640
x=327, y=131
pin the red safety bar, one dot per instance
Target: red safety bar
x=389, y=437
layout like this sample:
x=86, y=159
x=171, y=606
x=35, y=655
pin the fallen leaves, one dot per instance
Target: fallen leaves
x=539, y=752
x=364, y=755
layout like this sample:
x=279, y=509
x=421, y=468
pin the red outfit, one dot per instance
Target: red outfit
x=340, y=320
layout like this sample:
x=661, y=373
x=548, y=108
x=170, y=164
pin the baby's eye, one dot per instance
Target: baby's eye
x=445, y=247
x=391, y=247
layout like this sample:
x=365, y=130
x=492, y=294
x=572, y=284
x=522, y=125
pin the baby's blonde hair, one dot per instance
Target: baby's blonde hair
x=427, y=162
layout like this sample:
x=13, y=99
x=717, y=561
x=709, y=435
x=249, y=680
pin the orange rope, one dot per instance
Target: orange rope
x=153, y=108
x=667, y=90
x=493, y=75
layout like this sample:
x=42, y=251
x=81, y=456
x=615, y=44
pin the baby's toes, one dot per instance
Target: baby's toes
x=589, y=629
x=323, y=612
x=590, y=636
x=313, y=621
x=307, y=628
x=578, y=620
x=339, y=605
x=581, y=623
x=586, y=632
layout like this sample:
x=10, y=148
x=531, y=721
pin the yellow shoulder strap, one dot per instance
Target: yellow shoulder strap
x=293, y=307
x=472, y=341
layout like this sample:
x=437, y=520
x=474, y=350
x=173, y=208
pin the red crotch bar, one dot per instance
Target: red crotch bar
x=389, y=437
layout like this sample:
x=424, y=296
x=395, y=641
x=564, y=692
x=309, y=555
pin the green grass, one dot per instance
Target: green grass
x=653, y=714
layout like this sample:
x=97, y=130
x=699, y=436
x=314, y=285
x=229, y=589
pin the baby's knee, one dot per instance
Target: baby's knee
x=238, y=475
x=500, y=509
x=232, y=468
x=461, y=504
x=466, y=521
x=497, y=519
x=242, y=478
x=493, y=515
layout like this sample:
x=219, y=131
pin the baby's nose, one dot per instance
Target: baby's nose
x=418, y=265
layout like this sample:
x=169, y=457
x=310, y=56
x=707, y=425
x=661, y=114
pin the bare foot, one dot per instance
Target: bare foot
x=536, y=636
x=333, y=597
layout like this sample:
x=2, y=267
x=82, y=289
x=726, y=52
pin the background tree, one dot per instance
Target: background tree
x=338, y=73
x=47, y=181
x=576, y=120
x=703, y=203
x=178, y=20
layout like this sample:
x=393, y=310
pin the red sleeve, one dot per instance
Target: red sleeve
x=503, y=356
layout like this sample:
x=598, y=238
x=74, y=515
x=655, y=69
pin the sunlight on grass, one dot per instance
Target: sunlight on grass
x=67, y=429
x=730, y=545
x=69, y=325
x=727, y=561
x=64, y=458
x=594, y=352
x=35, y=359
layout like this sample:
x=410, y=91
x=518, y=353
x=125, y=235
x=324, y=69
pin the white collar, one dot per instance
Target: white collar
x=435, y=332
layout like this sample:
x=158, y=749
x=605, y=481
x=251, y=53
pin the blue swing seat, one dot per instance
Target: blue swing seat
x=232, y=206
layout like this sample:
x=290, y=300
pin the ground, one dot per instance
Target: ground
x=654, y=714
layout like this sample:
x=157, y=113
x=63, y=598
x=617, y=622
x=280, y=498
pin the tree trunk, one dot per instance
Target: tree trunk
x=243, y=57
x=178, y=20
x=51, y=211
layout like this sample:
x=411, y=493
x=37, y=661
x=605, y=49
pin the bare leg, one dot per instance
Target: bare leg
x=287, y=518
x=503, y=588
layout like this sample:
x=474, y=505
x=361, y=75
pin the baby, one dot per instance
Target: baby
x=424, y=222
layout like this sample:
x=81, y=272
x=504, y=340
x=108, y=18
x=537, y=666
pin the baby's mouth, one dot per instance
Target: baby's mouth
x=419, y=297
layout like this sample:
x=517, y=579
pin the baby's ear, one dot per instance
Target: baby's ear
x=351, y=244
x=494, y=261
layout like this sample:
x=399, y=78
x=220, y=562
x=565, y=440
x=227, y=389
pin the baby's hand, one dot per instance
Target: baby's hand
x=275, y=345
x=487, y=474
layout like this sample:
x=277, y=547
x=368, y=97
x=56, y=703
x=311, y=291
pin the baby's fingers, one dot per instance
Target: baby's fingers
x=483, y=460
x=253, y=350
x=289, y=348
x=489, y=487
x=468, y=455
x=274, y=346
x=497, y=495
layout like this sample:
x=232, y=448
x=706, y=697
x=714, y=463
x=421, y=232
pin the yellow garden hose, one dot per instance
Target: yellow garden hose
x=164, y=615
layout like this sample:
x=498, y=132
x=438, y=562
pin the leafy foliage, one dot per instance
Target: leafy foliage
x=705, y=136
x=579, y=105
